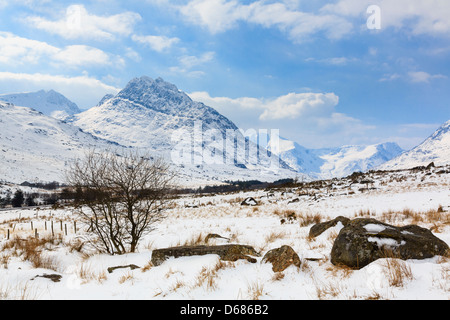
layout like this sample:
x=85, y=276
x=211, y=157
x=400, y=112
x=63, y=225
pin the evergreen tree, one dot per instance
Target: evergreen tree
x=29, y=202
x=18, y=199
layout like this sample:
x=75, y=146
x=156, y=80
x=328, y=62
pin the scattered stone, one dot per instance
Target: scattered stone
x=321, y=227
x=131, y=266
x=282, y=258
x=289, y=218
x=365, y=240
x=52, y=277
x=249, y=202
x=228, y=252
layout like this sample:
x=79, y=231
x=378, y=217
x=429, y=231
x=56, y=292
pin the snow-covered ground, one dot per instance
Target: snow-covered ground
x=389, y=197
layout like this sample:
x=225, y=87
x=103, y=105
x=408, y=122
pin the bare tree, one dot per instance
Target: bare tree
x=123, y=196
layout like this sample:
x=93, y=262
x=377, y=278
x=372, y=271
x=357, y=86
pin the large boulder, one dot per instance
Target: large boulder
x=365, y=240
x=282, y=258
x=229, y=252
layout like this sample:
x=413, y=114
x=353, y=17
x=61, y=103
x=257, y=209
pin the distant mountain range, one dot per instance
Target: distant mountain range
x=327, y=163
x=43, y=131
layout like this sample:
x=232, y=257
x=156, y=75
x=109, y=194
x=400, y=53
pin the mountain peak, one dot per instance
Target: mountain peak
x=50, y=103
x=156, y=94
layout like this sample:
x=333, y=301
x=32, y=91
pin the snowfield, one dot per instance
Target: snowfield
x=61, y=268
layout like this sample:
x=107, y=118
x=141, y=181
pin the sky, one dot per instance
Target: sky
x=325, y=73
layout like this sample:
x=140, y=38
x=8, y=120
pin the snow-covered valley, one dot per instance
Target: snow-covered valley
x=58, y=266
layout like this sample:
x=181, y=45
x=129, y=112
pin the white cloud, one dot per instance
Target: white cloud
x=417, y=16
x=133, y=55
x=422, y=76
x=290, y=106
x=310, y=119
x=295, y=105
x=157, y=43
x=221, y=15
x=335, y=20
x=187, y=63
x=79, y=55
x=390, y=77
x=79, y=23
x=414, y=77
x=16, y=50
x=336, y=61
x=216, y=15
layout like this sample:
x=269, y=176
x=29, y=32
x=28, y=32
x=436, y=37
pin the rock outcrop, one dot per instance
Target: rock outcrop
x=365, y=240
x=282, y=258
x=229, y=252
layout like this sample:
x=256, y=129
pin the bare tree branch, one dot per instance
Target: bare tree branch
x=123, y=197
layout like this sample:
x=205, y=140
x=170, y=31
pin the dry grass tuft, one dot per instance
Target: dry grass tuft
x=309, y=219
x=207, y=276
x=275, y=235
x=397, y=272
x=329, y=290
x=126, y=277
x=255, y=291
x=32, y=250
x=437, y=218
x=86, y=273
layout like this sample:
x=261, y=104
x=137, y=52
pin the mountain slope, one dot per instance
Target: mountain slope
x=36, y=147
x=50, y=103
x=435, y=148
x=155, y=115
x=333, y=162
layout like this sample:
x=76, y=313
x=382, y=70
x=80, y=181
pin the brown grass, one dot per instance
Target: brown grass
x=255, y=291
x=207, y=276
x=330, y=289
x=309, y=219
x=32, y=250
x=397, y=272
x=86, y=273
x=437, y=218
x=275, y=235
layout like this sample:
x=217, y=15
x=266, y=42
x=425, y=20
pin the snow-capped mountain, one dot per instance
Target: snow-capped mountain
x=205, y=147
x=35, y=147
x=155, y=115
x=333, y=162
x=50, y=103
x=435, y=148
